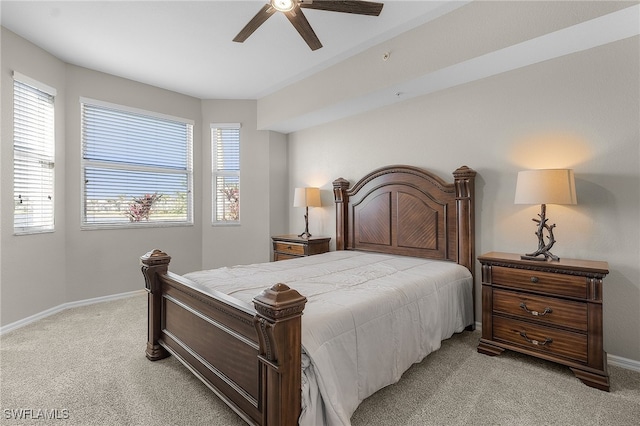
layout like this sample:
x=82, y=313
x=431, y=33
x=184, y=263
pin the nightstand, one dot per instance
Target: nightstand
x=292, y=246
x=548, y=309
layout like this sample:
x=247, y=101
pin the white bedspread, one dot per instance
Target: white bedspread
x=368, y=318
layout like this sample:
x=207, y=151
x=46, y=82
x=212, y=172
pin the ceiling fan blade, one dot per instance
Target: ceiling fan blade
x=358, y=7
x=299, y=21
x=254, y=23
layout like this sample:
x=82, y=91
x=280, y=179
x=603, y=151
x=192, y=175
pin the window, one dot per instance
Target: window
x=33, y=156
x=137, y=167
x=225, y=141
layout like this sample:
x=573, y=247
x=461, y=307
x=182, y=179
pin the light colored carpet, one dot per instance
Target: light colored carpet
x=88, y=363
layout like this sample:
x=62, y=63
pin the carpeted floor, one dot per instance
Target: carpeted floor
x=86, y=366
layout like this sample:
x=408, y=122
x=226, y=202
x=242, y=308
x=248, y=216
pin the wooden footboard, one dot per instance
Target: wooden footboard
x=249, y=357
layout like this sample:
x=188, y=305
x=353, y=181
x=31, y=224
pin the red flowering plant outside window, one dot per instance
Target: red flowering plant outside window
x=232, y=205
x=141, y=207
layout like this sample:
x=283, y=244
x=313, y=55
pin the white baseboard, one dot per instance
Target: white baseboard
x=617, y=361
x=626, y=363
x=21, y=323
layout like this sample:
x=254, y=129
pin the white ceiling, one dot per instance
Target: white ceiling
x=187, y=47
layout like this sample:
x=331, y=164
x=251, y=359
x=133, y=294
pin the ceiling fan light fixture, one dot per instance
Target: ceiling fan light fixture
x=283, y=5
x=292, y=9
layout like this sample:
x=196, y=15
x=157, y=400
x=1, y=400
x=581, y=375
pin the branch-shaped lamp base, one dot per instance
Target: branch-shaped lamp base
x=306, y=233
x=543, y=252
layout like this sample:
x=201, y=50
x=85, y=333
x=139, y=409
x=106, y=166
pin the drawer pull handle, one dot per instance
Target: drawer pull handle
x=534, y=280
x=546, y=311
x=289, y=248
x=534, y=341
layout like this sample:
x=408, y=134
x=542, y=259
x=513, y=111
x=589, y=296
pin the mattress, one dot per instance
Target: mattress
x=368, y=318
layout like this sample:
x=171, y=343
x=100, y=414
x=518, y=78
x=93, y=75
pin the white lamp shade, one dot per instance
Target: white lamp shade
x=547, y=186
x=306, y=197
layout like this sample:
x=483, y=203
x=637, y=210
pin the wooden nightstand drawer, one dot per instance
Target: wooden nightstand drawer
x=289, y=248
x=564, y=313
x=545, y=282
x=279, y=256
x=292, y=246
x=541, y=338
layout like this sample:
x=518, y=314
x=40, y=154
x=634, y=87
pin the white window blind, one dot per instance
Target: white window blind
x=33, y=157
x=137, y=167
x=225, y=140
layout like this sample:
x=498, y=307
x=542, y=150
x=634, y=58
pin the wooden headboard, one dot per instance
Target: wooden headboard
x=408, y=211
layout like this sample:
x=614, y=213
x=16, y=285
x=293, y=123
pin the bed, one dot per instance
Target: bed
x=241, y=330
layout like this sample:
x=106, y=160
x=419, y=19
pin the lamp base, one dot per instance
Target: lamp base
x=543, y=248
x=538, y=258
x=306, y=233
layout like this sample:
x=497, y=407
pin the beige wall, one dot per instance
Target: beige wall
x=32, y=267
x=278, y=184
x=579, y=111
x=104, y=262
x=261, y=209
x=42, y=272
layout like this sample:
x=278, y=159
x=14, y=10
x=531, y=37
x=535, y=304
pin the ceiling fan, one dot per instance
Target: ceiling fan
x=292, y=9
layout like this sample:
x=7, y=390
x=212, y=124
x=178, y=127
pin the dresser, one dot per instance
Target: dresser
x=292, y=246
x=547, y=309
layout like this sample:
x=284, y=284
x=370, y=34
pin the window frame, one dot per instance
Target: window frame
x=215, y=173
x=46, y=154
x=188, y=171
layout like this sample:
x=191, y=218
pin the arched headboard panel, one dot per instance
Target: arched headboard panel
x=408, y=211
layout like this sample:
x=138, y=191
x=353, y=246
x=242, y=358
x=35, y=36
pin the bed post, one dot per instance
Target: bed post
x=341, y=199
x=279, y=325
x=464, y=180
x=154, y=263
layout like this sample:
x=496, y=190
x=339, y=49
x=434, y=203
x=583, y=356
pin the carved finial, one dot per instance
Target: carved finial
x=341, y=183
x=279, y=302
x=463, y=172
x=155, y=257
x=339, y=186
x=279, y=288
x=464, y=178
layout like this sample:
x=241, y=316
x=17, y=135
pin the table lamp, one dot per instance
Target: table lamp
x=306, y=197
x=547, y=186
